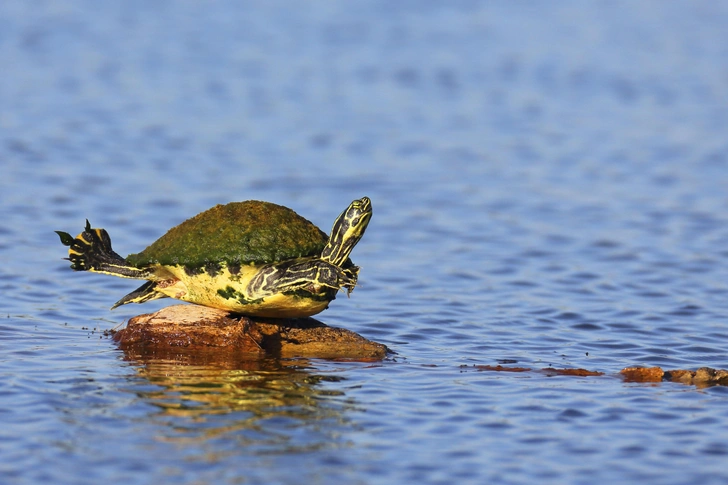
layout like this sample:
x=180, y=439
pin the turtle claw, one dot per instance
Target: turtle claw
x=66, y=239
x=348, y=279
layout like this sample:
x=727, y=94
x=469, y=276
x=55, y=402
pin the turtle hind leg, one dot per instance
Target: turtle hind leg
x=146, y=292
x=91, y=251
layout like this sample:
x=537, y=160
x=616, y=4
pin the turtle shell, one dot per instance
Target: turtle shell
x=252, y=232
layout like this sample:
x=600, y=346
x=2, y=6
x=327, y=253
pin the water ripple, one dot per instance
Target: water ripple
x=596, y=243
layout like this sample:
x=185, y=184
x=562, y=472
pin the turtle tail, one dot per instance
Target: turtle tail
x=91, y=251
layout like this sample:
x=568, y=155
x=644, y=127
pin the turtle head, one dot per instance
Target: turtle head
x=348, y=229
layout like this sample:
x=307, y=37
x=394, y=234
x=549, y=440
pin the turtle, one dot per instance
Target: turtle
x=252, y=258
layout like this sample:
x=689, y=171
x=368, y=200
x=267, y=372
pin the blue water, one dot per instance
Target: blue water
x=549, y=186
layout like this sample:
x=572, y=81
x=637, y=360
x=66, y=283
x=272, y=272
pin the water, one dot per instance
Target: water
x=549, y=187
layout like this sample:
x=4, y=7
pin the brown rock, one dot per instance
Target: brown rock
x=721, y=377
x=550, y=371
x=500, y=368
x=198, y=328
x=680, y=375
x=642, y=374
x=703, y=377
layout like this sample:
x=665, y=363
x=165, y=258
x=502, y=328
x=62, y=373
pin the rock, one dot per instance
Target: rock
x=680, y=375
x=642, y=374
x=550, y=371
x=704, y=376
x=500, y=368
x=198, y=328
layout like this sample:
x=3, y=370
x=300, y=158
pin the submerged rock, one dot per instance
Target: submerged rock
x=194, y=327
x=703, y=377
x=642, y=374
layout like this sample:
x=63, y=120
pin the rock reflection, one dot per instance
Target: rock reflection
x=256, y=402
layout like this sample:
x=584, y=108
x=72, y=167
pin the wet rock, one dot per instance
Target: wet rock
x=193, y=327
x=711, y=376
x=642, y=374
x=680, y=375
x=705, y=376
x=550, y=371
x=500, y=368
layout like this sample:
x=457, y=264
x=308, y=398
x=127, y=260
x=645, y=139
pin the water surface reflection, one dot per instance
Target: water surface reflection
x=267, y=405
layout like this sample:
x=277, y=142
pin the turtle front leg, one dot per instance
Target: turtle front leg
x=349, y=278
x=313, y=276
